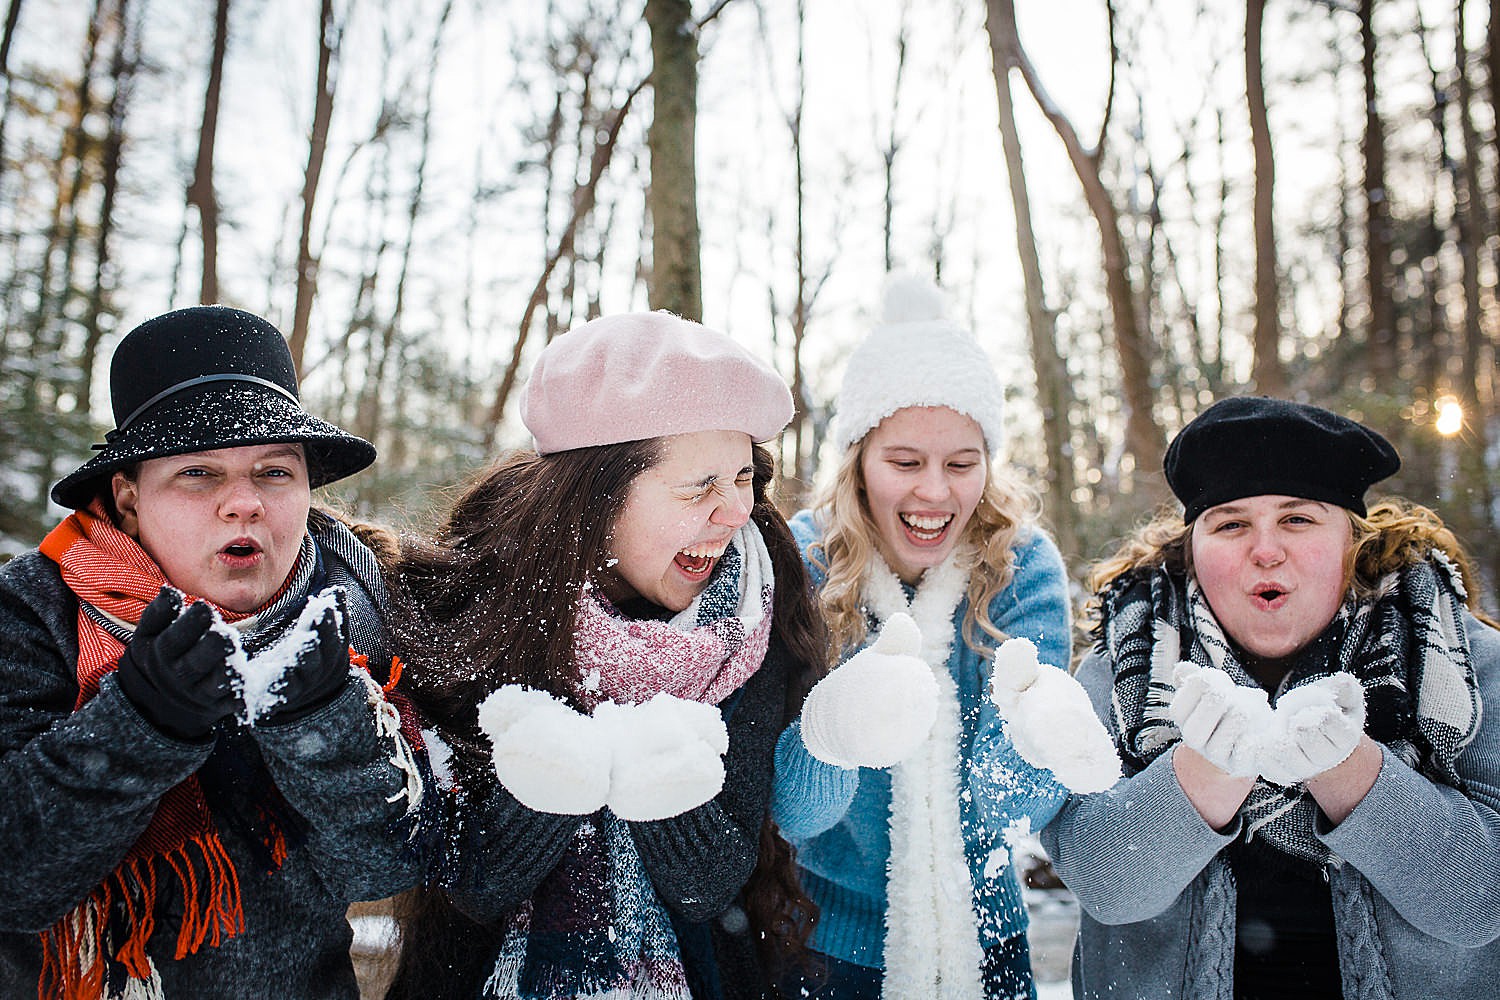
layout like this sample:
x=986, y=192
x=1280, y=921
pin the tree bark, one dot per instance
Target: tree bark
x=1143, y=437
x=1267, y=371
x=676, y=281
x=329, y=39
x=1054, y=397
x=200, y=193
x=1382, y=319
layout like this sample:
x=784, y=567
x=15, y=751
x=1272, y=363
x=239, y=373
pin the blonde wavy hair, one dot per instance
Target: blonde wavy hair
x=1394, y=534
x=851, y=541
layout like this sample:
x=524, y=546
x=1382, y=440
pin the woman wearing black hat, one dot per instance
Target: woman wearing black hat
x=198, y=782
x=1312, y=800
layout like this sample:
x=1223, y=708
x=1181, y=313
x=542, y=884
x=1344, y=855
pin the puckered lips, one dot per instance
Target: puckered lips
x=1269, y=595
x=697, y=561
x=241, y=553
x=925, y=530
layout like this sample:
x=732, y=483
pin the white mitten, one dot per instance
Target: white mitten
x=1050, y=720
x=1317, y=727
x=876, y=707
x=1223, y=721
x=668, y=756
x=551, y=758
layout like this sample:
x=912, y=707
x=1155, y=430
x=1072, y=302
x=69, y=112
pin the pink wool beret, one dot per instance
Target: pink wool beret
x=646, y=375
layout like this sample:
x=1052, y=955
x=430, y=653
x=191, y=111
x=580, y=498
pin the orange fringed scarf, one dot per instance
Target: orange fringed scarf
x=107, y=569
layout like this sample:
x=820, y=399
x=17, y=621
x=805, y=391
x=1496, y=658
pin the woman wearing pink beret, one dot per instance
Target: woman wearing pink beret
x=608, y=635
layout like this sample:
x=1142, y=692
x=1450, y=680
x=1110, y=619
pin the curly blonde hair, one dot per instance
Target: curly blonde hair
x=851, y=541
x=1394, y=534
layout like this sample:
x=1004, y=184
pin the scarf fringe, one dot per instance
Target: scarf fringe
x=77, y=950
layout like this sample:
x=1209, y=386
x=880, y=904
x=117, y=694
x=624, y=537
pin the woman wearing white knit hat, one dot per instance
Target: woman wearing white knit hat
x=915, y=758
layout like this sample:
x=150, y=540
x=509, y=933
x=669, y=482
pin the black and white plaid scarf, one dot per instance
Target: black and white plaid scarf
x=1408, y=647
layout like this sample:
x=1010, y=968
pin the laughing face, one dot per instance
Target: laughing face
x=223, y=525
x=924, y=470
x=1272, y=569
x=679, y=517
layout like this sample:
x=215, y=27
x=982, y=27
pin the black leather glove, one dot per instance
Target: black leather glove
x=175, y=671
x=319, y=675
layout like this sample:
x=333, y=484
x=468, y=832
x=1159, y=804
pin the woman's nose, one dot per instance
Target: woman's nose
x=733, y=511
x=241, y=501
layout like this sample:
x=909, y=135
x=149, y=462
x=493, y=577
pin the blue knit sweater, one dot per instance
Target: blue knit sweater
x=839, y=820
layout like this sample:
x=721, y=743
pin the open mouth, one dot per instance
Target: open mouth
x=1269, y=597
x=697, y=561
x=926, y=528
x=240, y=551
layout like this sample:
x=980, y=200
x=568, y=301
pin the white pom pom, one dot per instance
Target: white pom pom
x=911, y=298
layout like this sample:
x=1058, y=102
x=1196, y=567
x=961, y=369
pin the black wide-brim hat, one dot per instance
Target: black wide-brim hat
x=205, y=378
x=1247, y=446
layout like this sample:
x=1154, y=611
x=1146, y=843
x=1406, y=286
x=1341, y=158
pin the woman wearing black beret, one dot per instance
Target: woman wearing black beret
x=1295, y=683
x=200, y=765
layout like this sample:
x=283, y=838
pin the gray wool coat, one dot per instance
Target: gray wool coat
x=81, y=786
x=1416, y=899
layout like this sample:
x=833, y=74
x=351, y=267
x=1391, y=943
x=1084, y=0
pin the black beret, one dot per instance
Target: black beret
x=1249, y=446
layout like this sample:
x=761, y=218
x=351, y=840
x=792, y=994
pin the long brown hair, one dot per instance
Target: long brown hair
x=492, y=600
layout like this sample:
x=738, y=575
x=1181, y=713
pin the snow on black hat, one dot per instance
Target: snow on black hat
x=204, y=378
x=1248, y=446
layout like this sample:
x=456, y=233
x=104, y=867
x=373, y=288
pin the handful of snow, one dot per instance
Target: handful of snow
x=1225, y=722
x=550, y=757
x=875, y=708
x=1317, y=727
x=1050, y=720
x=668, y=756
x=260, y=680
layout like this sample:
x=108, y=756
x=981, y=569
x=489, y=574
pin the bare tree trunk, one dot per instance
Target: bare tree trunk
x=200, y=193
x=1267, y=371
x=1054, y=396
x=375, y=389
x=122, y=75
x=12, y=17
x=672, y=199
x=1477, y=504
x=893, y=139
x=1382, y=329
x=1143, y=437
x=330, y=37
x=583, y=202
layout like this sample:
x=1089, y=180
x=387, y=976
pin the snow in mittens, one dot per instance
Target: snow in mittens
x=1050, y=720
x=261, y=678
x=667, y=756
x=552, y=758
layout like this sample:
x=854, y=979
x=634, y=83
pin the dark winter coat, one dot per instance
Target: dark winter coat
x=81, y=786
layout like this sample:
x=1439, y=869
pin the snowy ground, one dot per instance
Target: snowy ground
x=1054, y=919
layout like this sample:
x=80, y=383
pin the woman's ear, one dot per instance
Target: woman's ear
x=127, y=495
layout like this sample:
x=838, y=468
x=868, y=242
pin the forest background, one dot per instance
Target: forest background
x=1138, y=205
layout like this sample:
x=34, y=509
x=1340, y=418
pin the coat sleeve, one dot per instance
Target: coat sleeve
x=700, y=860
x=1129, y=852
x=1004, y=787
x=348, y=778
x=80, y=787
x=1433, y=851
x=810, y=796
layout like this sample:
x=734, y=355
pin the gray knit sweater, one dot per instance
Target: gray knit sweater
x=81, y=786
x=1416, y=900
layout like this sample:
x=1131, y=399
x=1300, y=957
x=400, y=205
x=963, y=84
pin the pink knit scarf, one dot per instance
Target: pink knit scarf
x=703, y=654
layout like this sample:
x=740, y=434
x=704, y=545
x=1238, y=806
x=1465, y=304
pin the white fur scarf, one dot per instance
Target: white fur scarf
x=931, y=945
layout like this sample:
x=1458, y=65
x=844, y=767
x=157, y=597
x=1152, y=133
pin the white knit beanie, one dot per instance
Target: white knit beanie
x=917, y=356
